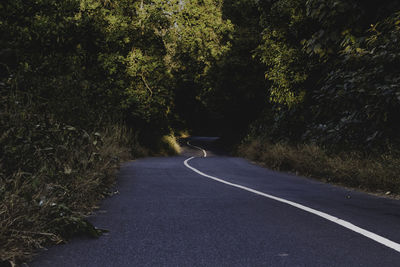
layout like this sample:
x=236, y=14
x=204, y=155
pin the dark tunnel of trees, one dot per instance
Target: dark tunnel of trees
x=80, y=76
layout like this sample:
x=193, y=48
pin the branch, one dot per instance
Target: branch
x=147, y=86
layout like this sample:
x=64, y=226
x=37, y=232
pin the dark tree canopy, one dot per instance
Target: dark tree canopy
x=325, y=72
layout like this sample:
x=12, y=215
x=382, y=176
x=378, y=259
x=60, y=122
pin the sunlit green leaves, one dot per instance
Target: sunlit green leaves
x=333, y=66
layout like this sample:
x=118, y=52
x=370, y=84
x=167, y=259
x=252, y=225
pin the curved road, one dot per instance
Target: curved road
x=192, y=210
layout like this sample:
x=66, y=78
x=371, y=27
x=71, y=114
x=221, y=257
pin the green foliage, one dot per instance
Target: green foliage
x=199, y=39
x=363, y=91
x=68, y=70
x=333, y=76
x=284, y=28
x=321, y=71
x=236, y=86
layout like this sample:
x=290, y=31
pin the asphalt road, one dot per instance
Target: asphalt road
x=167, y=214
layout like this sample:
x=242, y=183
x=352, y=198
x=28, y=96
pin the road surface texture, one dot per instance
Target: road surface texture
x=171, y=213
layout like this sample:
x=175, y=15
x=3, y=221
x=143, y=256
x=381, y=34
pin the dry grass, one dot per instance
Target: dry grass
x=46, y=199
x=183, y=134
x=53, y=175
x=171, y=144
x=374, y=173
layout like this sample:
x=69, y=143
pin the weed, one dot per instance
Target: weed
x=374, y=173
x=52, y=176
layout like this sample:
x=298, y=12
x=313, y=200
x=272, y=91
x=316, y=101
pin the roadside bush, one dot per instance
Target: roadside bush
x=52, y=175
x=375, y=173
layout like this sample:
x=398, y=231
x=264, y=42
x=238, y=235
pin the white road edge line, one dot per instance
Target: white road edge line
x=380, y=239
x=204, y=152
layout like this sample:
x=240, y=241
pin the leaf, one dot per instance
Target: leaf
x=67, y=170
x=372, y=137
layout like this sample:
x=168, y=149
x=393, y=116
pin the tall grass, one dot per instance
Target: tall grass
x=374, y=173
x=52, y=175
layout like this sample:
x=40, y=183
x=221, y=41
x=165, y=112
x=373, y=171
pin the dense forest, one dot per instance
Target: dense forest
x=85, y=84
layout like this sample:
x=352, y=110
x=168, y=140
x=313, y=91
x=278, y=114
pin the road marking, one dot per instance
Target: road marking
x=204, y=152
x=380, y=239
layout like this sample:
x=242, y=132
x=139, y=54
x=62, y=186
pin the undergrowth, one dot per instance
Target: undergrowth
x=374, y=173
x=52, y=175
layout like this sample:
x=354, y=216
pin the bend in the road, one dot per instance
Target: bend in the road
x=377, y=238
